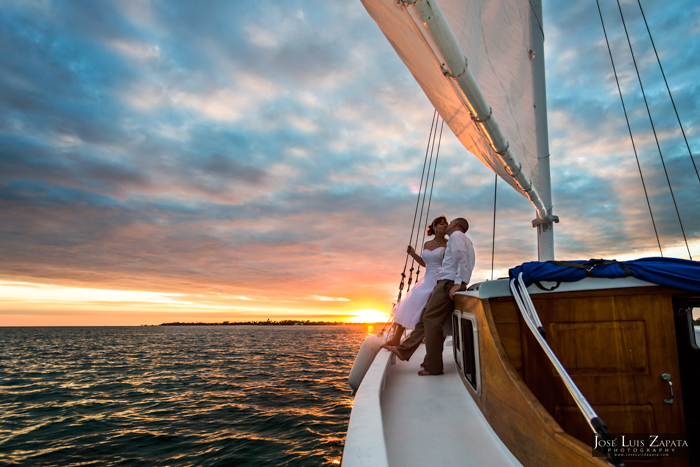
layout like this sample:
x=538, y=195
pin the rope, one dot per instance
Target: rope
x=388, y=323
x=669, y=91
x=420, y=218
x=425, y=193
x=430, y=199
x=493, y=240
x=658, y=146
x=403, y=274
x=629, y=128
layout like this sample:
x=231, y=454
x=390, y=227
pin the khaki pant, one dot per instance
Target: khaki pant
x=438, y=309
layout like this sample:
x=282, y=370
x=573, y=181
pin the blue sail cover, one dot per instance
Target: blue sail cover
x=671, y=272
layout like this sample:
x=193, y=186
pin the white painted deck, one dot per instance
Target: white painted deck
x=402, y=419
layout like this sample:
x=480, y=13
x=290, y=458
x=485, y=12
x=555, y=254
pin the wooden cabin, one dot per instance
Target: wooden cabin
x=615, y=337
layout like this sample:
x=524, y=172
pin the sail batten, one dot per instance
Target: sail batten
x=490, y=109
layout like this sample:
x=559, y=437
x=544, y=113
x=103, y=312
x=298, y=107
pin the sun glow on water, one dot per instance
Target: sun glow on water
x=369, y=315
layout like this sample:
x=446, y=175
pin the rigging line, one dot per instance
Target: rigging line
x=669, y=91
x=430, y=163
x=422, y=176
x=420, y=217
x=493, y=240
x=427, y=214
x=424, y=194
x=629, y=128
x=658, y=146
x=433, y=127
x=413, y=226
x=430, y=199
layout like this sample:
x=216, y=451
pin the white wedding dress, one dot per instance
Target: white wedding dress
x=407, y=312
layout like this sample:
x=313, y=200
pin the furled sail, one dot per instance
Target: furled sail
x=494, y=37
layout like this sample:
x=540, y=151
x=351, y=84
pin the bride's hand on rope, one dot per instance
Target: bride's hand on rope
x=412, y=252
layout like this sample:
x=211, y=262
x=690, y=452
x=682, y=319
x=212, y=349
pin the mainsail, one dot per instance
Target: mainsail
x=494, y=38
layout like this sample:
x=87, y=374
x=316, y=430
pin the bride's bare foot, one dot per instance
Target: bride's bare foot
x=394, y=350
x=398, y=332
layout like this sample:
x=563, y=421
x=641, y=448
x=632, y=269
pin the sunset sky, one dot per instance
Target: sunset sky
x=225, y=160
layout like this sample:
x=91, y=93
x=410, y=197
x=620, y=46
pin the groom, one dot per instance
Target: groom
x=453, y=275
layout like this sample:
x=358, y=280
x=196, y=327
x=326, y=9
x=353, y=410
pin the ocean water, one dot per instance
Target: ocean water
x=176, y=396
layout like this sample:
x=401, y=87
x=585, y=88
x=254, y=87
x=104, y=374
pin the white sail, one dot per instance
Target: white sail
x=494, y=37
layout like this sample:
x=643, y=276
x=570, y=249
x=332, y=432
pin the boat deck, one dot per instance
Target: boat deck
x=432, y=420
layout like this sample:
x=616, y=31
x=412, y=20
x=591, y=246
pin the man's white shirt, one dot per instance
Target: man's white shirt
x=459, y=260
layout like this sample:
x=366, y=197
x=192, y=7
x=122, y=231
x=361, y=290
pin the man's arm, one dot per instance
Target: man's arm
x=463, y=255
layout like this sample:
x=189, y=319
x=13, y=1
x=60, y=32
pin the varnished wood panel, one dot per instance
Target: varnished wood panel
x=510, y=338
x=507, y=320
x=526, y=428
x=635, y=388
x=632, y=418
x=504, y=311
x=594, y=336
x=571, y=342
x=629, y=419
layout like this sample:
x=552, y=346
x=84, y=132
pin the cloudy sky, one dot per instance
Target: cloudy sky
x=227, y=160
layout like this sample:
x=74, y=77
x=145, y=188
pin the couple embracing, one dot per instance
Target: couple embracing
x=428, y=306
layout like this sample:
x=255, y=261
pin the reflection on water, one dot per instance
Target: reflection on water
x=229, y=395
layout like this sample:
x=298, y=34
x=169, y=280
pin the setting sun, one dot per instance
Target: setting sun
x=369, y=315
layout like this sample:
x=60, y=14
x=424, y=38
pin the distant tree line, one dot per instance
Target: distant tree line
x=284, y=322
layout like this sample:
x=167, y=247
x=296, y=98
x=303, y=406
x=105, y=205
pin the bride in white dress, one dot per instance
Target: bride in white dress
x=407, y=312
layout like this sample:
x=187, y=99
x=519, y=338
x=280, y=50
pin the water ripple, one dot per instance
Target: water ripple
x=176, y=396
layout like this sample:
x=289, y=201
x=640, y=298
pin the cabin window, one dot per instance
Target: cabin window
x=456, y=347
x=466, y=347
x=687, y=311
x=468, y=351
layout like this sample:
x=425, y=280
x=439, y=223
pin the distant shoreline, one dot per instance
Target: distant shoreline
x=286, y=322
x=235, y=323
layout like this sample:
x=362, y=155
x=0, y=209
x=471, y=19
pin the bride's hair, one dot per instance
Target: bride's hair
x=436, y=221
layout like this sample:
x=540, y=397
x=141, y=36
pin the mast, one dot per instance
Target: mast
x=545, y=227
